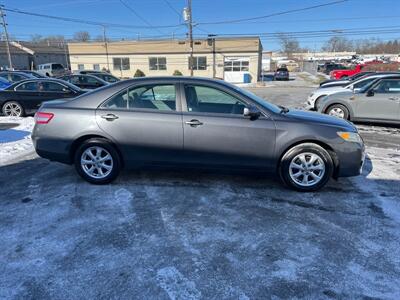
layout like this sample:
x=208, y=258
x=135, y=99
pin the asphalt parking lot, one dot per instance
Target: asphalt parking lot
x=174, y=234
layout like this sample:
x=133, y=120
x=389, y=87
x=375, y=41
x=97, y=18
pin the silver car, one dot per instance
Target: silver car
x=377, y=102
x=180, y=121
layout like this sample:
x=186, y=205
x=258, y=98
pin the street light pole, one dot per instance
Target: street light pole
x=7, y=38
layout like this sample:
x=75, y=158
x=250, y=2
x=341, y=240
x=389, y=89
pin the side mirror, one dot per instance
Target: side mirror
x=251, y=112
x=370, y=93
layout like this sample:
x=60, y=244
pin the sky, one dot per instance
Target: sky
x=364, y=19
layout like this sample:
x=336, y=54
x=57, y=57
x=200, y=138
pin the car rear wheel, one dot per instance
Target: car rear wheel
x=338, y=110
x=97, y=161
x=306, y=167
x=13, y=109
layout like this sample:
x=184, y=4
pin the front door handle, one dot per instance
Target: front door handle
x=194, y=123
x=393, y=98
x=110, y=117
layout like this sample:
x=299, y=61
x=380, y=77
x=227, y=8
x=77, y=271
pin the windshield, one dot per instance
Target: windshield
x=57, y=66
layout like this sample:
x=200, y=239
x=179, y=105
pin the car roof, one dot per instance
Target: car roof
x=34, y=79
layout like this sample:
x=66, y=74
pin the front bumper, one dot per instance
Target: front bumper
x=351, y=157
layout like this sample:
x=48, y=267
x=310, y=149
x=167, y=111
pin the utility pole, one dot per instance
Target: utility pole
x=106, y=46
x=211, y=39
x=187, y=16
x=7, y=38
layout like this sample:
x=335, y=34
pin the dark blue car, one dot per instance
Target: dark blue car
x=4, y=83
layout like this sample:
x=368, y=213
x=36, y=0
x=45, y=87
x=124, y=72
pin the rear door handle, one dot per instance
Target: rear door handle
x=110, y=117
x=194, y=123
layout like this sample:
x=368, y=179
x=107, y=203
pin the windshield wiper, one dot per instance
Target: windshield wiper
x=284, y=109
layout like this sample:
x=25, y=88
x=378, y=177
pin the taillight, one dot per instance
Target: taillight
x=43, y=118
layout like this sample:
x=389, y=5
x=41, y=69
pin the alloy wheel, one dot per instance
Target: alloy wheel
x=12, y=109
x=97, y=162
x=337, y=112
x=307, y=169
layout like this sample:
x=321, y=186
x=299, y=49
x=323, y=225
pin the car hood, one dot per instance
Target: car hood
x=330, y=90
x=314, y=117
x=343, y=95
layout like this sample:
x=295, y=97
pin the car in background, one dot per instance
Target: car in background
x=317, y=95
x=342, y=82
x=4, y=83
x=14, y=76
x=344, y=74
x=281, y=73
x=33, y=73
x=88, y=82
x=333, y=66
x=378, y=102
x=24, y=97
x=52, y=70
x=102, y=75
x=188, y=121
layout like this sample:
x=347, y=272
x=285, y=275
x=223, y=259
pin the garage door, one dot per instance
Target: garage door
x=235, y=69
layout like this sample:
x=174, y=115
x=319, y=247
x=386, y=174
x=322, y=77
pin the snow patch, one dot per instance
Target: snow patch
x=176, y=285
x=15, y=142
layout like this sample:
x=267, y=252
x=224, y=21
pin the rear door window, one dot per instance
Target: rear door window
x=48, y=86
x=160, y=97
x=27, y=87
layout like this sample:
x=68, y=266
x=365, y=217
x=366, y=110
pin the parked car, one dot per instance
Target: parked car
x=191, y=121
x=24, y=97
x=14, y=76
x=379, y=102
x=281, y=74
x=342, y=74
x=343, y=82
x=4, y=83
x=85, y=81
x=52, y=70
x=33, y=73
x=317, y=95
x=333, y=66
x=102, y=75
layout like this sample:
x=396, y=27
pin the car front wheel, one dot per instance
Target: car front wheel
x=306, y=167
x=338, y=110
x=13, y=109
x=97, y=161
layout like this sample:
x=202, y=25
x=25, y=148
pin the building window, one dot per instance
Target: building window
x=121, y=63
x=96, y=67
x=81, y=67
x=199, y=63
x=236, y=65
x=157, y=63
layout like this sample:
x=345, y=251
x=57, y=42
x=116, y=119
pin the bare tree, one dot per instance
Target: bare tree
x=289, y=45
x=81, y=36
x=337, y=44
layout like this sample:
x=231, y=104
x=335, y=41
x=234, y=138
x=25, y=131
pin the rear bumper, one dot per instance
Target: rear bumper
x=54, y=150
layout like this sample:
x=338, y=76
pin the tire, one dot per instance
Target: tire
x=97, y=169
x=338, y=110
x=297, y=166
x=13, y=109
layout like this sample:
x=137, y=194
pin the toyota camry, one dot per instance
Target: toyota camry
x=179, y=121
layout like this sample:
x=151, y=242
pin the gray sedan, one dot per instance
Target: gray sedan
x=377, y=102
x=194, y=122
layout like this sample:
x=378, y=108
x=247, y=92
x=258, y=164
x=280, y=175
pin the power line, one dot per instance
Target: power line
x=80, y=21
x=273, y=15
x=174, y=9
x=139, y=16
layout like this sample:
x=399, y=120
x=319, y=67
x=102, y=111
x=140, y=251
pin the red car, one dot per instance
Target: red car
x=343, y=74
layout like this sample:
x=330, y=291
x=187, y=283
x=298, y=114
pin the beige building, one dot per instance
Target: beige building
x=236, y=59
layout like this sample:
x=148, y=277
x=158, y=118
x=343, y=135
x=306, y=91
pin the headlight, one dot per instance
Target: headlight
x=350, y=136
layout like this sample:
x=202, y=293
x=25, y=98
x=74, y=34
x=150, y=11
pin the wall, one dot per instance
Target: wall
x=174, y=62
